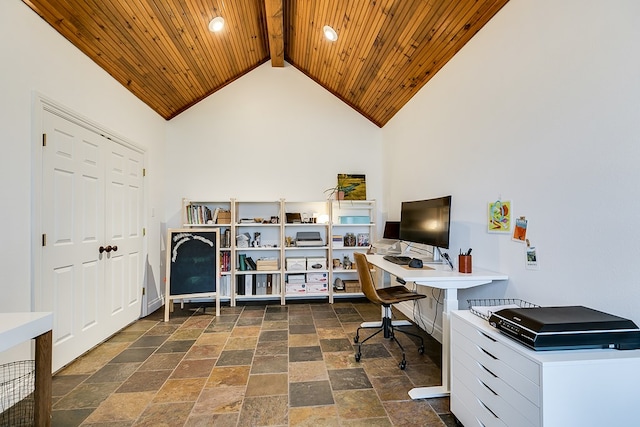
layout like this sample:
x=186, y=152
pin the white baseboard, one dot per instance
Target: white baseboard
x=406, y=308
x=154, y=305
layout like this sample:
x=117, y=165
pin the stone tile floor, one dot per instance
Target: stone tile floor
x=254, y=365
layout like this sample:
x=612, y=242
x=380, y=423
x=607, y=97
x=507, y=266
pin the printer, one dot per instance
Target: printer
x=308, y=238
x=566, y=327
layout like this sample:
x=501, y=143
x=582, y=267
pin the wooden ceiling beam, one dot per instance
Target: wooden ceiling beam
x=275, y=25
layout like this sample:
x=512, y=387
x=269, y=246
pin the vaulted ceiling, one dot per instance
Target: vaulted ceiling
x=163, y=52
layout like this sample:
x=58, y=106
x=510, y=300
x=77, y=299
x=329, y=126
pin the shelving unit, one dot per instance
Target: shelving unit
x=270, y=240
x=356, y=218
x=299, y=260
x=194, y=214
x=260, y=222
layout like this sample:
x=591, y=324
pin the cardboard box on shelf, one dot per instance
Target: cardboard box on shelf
x=296, y=278
x=352, y=286
x=317, y=277
x=266, y=264
x=224, y=217
x=296, y=288
x=317, y=288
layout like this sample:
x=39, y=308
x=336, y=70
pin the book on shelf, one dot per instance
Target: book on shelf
x=249, y=285
x=251, y=264
x=225, y=286
x=240, y=280
x=242, y=262
x=261, y=284
x=265, y=264
x=199, y=214
x=269, y=289
x=225, y=261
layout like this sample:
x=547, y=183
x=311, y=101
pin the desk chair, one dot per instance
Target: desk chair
x=386, y=297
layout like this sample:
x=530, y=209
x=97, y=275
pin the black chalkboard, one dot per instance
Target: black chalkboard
x=192, y=262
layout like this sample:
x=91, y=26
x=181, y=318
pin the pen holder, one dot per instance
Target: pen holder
x=464, y=263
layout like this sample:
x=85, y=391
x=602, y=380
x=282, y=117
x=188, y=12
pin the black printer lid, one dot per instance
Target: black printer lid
x=565, y=319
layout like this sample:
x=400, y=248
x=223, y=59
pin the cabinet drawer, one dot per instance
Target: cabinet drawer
x=491, y=369
x=502, y=399
x=469, y=409
x=495, y=350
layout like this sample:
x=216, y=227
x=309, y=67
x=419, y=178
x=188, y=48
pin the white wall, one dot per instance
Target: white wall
x=37, y=58
x=540, y=108
x=274, y=133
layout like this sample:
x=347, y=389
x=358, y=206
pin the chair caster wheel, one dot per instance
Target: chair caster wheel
x=421, y=349
x=358, y=355
x=403, y=364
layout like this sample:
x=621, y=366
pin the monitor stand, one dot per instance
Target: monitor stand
x=433, y=259
x=395, y=249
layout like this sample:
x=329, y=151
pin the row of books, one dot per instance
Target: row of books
x=201, y=214
x=258, y=284
x=246, y=263
x=225, y=261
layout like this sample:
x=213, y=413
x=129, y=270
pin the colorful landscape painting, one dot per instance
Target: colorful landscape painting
x=354, y=186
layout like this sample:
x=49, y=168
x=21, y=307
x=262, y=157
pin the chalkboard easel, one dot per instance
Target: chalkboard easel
x=193, y=266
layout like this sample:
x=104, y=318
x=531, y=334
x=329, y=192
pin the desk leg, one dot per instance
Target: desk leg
x=450, y=303
x=42, y=395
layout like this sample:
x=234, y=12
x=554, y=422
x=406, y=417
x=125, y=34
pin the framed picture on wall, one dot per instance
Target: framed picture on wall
x=353, y=186
x=363, y=239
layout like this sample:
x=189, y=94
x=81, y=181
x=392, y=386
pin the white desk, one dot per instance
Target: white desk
x=16, y=328
x=441, y=277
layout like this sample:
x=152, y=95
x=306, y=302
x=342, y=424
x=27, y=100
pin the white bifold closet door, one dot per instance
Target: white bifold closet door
x=92, y=256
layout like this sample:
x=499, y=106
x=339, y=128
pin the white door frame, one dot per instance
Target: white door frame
x=40, y=104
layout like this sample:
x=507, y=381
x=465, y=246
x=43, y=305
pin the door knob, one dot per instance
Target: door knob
x=115, y=248
x=101, y=249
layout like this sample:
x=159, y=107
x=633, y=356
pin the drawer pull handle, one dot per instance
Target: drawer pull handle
x=488, y=370
x=488, y=354
x=487, y=408
x=487, y=336
x=488, y=388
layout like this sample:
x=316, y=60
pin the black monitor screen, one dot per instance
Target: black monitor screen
x=391, y=230
x=426, y=222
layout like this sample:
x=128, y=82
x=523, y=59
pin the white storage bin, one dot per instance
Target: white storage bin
x=296, y=264
x=316, y=263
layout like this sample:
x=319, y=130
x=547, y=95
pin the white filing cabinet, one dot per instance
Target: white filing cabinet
x=496, y=381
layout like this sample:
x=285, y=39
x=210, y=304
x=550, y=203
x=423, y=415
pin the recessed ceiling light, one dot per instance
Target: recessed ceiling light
x=216, y=24
x=330, y=33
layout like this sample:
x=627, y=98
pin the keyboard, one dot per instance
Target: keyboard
x=397, y=259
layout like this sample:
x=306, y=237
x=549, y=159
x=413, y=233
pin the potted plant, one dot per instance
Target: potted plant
x=341, y=190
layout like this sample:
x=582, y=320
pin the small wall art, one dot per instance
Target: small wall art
x=499, y=216
x=520, y=230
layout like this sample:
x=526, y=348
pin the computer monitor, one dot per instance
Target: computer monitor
x=391, y=230
x=426, y=222
x=390, y=242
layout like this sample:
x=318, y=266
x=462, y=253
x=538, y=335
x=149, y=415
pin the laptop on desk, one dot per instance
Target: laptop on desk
x=390, y=243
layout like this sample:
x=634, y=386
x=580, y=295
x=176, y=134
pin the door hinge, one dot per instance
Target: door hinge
x=44, y=240
x=44, y=139
x=143, y=291
x=144, y=171
x=144, y=231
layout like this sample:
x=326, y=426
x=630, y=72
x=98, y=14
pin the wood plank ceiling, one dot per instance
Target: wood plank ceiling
x=163, y=52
